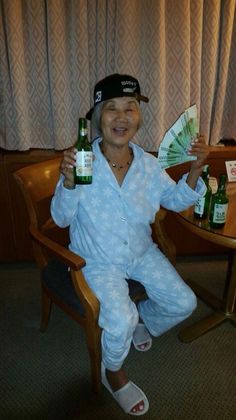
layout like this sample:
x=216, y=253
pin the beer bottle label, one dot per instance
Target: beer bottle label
x=84, y=163
x=220, y=212
x=199, y=206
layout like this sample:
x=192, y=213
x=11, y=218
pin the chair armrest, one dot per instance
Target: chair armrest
x=75, y=262
x=86, y=296
x=64, y=254
x=49, y=224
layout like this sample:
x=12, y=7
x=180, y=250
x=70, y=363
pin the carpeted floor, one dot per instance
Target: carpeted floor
x=46, y=376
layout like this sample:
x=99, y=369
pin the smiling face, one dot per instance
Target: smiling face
x=120, y=120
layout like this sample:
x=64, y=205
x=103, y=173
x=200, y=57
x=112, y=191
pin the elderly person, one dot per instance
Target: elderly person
x=110, y=228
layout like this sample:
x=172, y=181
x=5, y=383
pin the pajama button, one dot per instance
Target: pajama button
x=125, y=243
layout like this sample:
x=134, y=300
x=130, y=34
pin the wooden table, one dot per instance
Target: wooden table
x=224, y=309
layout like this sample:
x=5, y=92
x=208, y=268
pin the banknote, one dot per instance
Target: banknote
x=176, y=142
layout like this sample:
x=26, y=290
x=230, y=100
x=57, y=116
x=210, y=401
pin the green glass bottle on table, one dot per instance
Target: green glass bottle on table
x=84, y=157
x=219, y=205
x=202, y=205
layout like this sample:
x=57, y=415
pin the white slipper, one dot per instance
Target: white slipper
x=141, y=337
x=128, y=396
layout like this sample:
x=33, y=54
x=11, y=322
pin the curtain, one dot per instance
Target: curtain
x=52, y=52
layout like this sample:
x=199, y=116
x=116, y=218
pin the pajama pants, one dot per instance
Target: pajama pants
x=169, y=301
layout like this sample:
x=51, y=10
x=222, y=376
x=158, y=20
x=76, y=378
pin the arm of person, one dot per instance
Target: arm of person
x=200, y=149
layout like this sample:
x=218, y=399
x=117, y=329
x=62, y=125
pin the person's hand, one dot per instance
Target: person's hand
x=66, y=167
x=200, y=149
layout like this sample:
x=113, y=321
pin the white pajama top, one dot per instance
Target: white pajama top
x=109, y=223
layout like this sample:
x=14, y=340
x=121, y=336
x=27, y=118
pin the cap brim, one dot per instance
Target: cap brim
x=141, y=97
x=89, y=114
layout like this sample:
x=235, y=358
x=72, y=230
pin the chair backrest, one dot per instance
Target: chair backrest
x=37, y=183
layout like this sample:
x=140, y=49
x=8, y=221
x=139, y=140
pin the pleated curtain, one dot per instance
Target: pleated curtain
x=52, y=52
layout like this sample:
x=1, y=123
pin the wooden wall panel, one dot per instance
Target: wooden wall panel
x=7, y=246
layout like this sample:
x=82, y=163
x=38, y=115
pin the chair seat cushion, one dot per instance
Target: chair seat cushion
x=136, y=289
x=56, y=277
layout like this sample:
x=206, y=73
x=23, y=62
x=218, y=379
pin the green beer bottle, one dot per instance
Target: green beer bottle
x=202, y=205
x=219, y=205
x=84, y=156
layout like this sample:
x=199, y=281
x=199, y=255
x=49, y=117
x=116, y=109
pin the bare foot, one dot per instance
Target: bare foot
x=143, y=346
x=141, y=338
x=119, y=379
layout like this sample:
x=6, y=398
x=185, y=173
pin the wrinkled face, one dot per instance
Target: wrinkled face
x=120, y=120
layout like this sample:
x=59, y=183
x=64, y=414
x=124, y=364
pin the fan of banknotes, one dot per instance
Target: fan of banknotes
x=174, y=147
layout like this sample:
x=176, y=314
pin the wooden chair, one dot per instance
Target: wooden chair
x=68, y=290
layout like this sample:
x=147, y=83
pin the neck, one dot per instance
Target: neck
x=118, y=157
x=115, y=150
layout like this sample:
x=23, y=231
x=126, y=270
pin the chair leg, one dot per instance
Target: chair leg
x=46, y=307
x=93, y=338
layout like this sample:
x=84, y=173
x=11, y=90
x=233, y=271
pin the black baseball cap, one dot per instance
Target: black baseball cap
x=115, y=86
